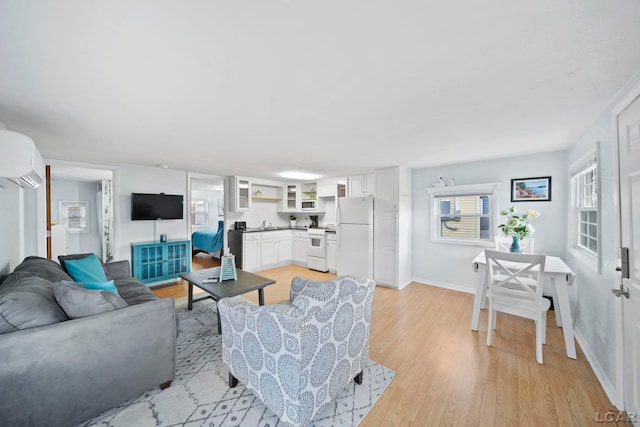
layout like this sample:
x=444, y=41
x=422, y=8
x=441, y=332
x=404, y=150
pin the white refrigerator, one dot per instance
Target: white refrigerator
x=355, y=236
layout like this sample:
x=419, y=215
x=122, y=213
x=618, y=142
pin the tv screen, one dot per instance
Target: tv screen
x=156, y=206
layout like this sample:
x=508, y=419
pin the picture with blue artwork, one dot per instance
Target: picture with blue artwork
x=531, y=189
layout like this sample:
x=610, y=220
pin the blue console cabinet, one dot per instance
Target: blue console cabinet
x=158, y=261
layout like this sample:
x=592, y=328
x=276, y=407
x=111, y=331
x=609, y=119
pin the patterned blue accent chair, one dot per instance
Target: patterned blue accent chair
x=298, y=356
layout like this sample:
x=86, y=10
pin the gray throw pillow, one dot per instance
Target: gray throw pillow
x=77, y=301
x=27, y=301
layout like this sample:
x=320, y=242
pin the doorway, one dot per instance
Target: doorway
x=80, y=206
x=206, y=219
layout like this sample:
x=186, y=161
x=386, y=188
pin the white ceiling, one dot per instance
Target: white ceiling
x=334, y=87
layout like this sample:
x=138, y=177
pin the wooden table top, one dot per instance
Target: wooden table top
x=245, y=282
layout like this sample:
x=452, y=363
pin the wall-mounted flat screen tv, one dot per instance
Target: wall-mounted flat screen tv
x=156, y=206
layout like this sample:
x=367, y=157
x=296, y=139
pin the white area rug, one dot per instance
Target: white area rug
x=200, y=395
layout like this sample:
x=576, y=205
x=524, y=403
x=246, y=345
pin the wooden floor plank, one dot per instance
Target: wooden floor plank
x=445, y=373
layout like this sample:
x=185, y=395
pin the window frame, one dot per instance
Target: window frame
x=195, y=203
x=586, y=165
x=491, y=190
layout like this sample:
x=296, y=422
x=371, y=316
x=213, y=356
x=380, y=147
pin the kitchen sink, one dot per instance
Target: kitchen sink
x=266, y=228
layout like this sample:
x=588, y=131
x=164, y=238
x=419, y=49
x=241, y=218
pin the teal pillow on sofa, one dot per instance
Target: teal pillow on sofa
x=88, y=269
x=102, y=286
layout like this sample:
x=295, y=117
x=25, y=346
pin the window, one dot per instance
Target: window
x=585, y=216
x=74, y=215
x=199, y=212
x=463, y=214
x=587, y=208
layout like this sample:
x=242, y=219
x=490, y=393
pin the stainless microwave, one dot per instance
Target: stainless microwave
x=309, y=205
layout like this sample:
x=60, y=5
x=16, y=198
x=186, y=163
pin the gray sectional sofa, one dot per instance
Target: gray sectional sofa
x=60, y=371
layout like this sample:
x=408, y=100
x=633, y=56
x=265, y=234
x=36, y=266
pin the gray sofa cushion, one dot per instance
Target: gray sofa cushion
x=44, y=268
x=133, y=291
x=27, y=301
x=77, y=301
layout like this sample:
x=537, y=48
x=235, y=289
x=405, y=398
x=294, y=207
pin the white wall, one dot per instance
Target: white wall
x=70, y=191
x=11, y=224
x=449, y=265
x=592, y=303
x=140, y=179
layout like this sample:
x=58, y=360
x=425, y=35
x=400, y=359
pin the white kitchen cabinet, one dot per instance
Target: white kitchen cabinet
x=251, y=252
x=291, y=201
x=361, y=185
x=392, y=228
x=275, y=249
x=332, y=252
x=284, y=249
x=299, y=251
x=268, y=251
x=328, y=187
x=341, y=186
x=387, y=187
x=385, y=237
x=240, y=194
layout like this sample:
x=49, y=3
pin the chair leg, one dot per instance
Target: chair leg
x=358, y=378
x=544, y=328
x=539, y=339
x=490, y=326
x=233, y=381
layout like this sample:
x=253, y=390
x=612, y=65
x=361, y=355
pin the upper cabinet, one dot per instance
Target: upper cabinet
x=387, y=183
x=361, y=185
x=240, y=194
x=341, y=187
x=291, y=198
x=328, y=187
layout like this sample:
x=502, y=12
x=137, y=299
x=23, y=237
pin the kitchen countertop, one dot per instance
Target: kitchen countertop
x=258, y=230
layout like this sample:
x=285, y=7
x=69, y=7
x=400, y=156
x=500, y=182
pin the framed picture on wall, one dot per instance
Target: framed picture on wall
x=531, y=189
x=75, y=215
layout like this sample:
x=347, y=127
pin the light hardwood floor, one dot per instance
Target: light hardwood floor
x=445, y=373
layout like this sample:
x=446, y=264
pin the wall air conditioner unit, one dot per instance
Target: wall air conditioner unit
x=20, y=161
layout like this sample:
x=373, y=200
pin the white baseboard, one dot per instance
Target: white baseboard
x=609, y=389
x=450, y=286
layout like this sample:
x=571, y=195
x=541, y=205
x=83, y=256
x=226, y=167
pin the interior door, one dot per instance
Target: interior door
x=629, y=158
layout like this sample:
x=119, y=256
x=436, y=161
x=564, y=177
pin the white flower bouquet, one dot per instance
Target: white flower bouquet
x=518, y=224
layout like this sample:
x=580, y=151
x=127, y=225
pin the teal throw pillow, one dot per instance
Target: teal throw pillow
x=88, y=269
x=99, y=286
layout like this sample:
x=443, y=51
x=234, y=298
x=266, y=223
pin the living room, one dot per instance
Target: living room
x=447, y=267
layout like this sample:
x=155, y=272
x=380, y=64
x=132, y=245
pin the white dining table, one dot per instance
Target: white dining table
x=559, y=275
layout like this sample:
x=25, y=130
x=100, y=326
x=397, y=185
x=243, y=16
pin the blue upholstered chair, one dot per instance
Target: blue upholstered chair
x=298, y=356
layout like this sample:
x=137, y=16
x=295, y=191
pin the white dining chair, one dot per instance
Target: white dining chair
x=503, y=243
x=515, y=283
